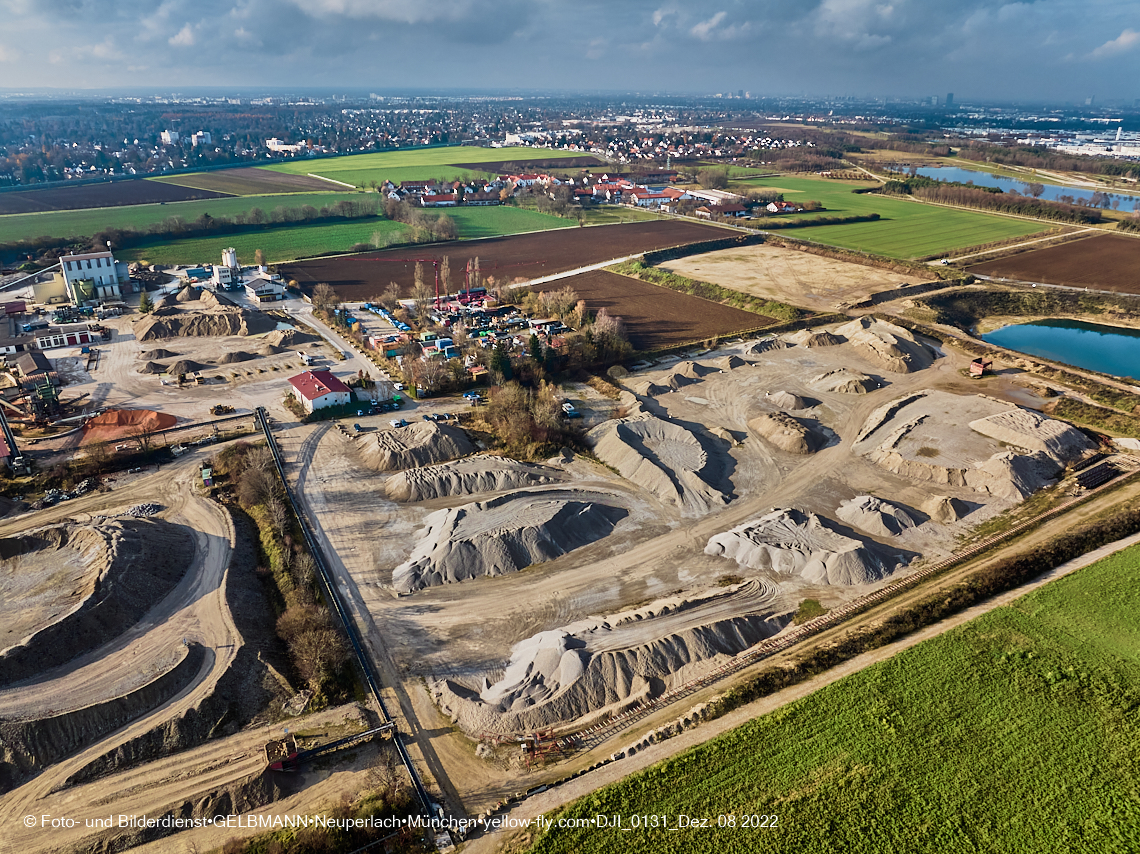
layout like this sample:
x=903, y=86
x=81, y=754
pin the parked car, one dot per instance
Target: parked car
x=357, y=428
x=398, y=422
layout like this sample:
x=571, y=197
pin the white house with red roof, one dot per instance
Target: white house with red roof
x=318, y=389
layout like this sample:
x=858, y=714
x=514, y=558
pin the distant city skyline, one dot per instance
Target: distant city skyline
x=1050, y=50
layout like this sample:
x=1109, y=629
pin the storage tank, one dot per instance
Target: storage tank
x=229, y=258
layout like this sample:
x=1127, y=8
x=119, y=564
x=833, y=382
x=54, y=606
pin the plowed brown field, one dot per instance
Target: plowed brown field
x=502, y=259
x=135, y=192
x=1106, y=262
x=657, y=317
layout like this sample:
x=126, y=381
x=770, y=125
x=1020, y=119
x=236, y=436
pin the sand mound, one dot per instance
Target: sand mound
x=786, y=400
x=187, y=366
x=941, y=508
x=418, y=444
x=791, y=542
x=235, y=357
x=504, y=535
x=290, y=338
x=762, y=346
x=194, y=324
x=731, y=363
x=875, y=516
x=807, y=338
x=787, y=433
x=121, y=423
x=212, y=299
x=160, y=353
x=465, y=477
x=890, y=347
x=650, y=389
x=664, y=458
x=693, y=370
x=153, y=368
x=189, y=294
x=1032, y=431
x=844, y=381
x=601, y=662
x=270, y=350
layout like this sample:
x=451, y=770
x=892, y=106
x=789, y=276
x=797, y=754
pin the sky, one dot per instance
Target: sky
x=1047, y=50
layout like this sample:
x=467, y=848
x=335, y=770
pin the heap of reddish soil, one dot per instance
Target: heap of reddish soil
x=119, y=423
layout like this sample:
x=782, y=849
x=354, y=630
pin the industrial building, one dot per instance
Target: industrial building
x=319, y=389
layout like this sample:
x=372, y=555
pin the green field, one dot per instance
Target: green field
x=907, y=229
x=87, y=222
x=288, y=243
x=414, y=164
x=1017, y=732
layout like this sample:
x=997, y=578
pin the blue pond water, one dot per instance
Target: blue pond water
x=1108, y=349
x=985, y=179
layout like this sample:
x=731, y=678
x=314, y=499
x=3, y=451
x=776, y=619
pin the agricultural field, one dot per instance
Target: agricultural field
x=280, y=244
x=908, y=229
x=658, y=317
x=1107, y=262
x=495, y=221
x=1044, y=689
x=81, y=223
x=502, y=260
x=419, y=164
x=137, y=192
x=249, y=181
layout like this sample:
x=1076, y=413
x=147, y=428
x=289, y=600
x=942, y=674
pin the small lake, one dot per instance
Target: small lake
x=1107, y=349
x=985, y=179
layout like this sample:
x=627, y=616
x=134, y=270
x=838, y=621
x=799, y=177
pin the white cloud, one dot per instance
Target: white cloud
x=704, y=29
x=184, y=37
x=1121, y=44
x=399, y=11
x=8, y=54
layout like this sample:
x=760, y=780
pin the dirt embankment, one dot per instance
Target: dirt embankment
x=145, y=559
x=27, y=747
x=243, y=692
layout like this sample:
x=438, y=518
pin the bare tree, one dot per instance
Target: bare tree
x=324, y=297
x=445, y=274
x=391, y=297
x=1035, y=189
x=259, y=257
x=141, y=436
x=421, y=291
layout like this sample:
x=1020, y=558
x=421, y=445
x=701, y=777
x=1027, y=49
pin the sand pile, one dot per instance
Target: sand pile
x=942, y=508
x=875, y=516
x=189, y=294
x=844, y=381
x=807, y=338
x=693, y=370
x=212, y=299
x=602, y=663
x=270, y=350
x=504, y=535
x=757, y=348
x=791, y=542
x=418, y=444
x=187, y=366
x=665, y=459
x=153, y=368
x=651, y=389
x=787, y=433
x=465, y=477
x=731, y=363
x=890, y=347
x=160, y=353
x=235, y=357
x=290, y=338
x=193, y=324
x=1032, y=431
x=786, y=400
x=120, y=423
x=886, y=412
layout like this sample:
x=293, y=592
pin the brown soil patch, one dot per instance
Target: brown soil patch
x=136, y=192
x=118, y=423
x=788, y=275
x=503, y=259
x=503, y=167
x=655, y=316
x=1106, y=262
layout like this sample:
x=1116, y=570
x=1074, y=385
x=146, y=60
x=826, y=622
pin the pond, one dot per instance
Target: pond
x=1051, y=192
x=1108, y=349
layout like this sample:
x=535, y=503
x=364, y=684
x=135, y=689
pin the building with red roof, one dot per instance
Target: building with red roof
x=318, y=389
